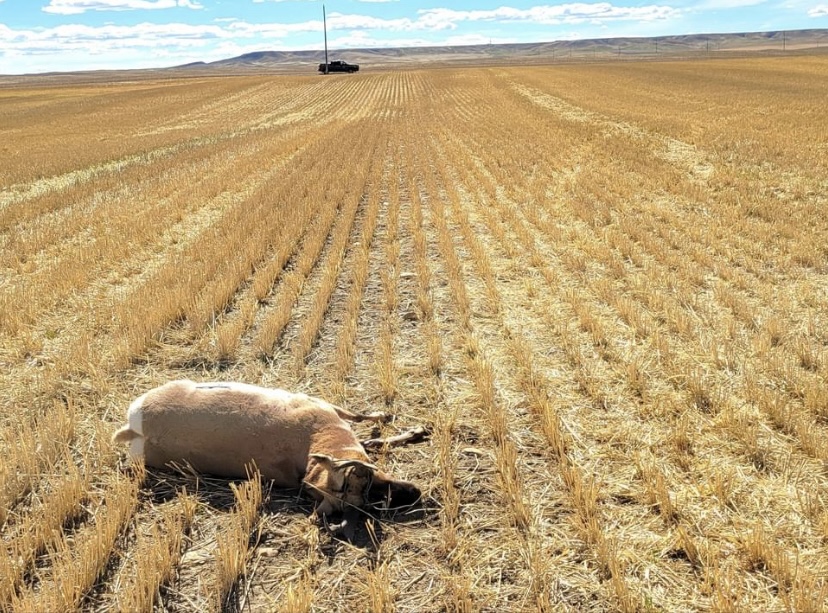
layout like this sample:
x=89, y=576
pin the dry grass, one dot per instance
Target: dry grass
x=602, y=286
x=155, y=557
x=78, y=561
x=233, y=539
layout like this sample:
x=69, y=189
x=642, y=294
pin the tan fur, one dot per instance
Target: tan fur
x=221, y=428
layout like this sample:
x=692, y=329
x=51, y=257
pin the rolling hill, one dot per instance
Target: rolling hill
x=693, y=45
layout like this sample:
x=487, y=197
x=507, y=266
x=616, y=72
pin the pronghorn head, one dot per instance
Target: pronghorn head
x=340, y=485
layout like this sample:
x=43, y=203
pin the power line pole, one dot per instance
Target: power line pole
x=325, y=28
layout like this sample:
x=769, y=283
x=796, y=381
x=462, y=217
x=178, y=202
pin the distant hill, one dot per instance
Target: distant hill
x=692, y=45
x=591, y=50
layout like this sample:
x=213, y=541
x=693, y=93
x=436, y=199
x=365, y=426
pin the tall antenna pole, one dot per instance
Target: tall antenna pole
x=325, y=27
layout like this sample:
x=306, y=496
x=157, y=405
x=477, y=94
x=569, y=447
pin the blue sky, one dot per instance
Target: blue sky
x=47, y=35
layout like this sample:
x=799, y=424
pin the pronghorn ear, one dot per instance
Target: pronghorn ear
x=323, y=459
x=363, y=467
x=332, y=463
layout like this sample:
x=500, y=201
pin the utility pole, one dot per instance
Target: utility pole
x=325, y=28
x=783, y=40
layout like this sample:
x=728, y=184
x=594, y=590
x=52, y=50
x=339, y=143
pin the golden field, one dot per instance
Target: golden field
x=603, y=287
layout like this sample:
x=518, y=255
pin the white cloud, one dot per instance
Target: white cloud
x=362, y=40
x=79, y=46
x=248, y=30
x=820, y=10
x=572, y=13
x=366, y=1
x=339, y=21
x=76, y=7
x=100, y=39
x=449, y=19
x=726, y=4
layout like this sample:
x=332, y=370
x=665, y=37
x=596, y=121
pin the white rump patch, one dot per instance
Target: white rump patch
x=135, y=417
x=136, y=448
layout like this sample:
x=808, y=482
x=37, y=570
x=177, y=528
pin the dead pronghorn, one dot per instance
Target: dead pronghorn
x=294, y=439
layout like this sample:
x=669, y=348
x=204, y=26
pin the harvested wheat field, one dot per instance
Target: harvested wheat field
x=604, y=288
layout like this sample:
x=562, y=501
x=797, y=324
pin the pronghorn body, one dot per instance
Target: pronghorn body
x=222, y=428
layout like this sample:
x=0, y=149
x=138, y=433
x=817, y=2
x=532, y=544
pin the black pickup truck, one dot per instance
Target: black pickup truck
x=338, y=66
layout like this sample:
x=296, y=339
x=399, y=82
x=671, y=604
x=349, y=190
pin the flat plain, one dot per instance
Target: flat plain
x=603, y=287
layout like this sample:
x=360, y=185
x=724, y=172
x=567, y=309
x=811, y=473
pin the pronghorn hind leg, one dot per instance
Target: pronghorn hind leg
x=410, y=436
x=378, y=417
